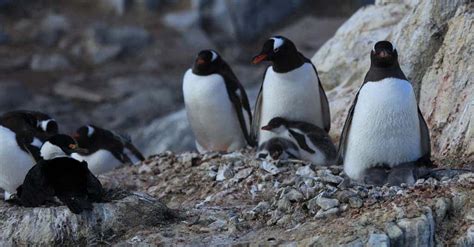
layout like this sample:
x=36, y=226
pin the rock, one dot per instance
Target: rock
x=470, y=215
x=72, y=91
x=468, y=239
x=284, y=205
x=49, y=62
x=418, y=231
x=326, y=213
x=434, y=51
x=394, y=233
x=378, y=240
x=442, y=206
x=327, y=203
x=14, y=63
x=305, y=171
x=228, y=21
x=52, y=27
x=13, y=95
x=116, y=7
x=225, y=172
x=294, y=195
x=328, y=177
x=355, y=202
x=269, y=167
x=56, y=225
x=171, y=132
x=243, y=174
x=262, y=207
x=4, y=38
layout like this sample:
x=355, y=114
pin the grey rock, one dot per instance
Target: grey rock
x=56, y=225
x=262, y=207
x=468, y=239
x=73, y=91
x=441, y=208
x=243, y=174
x=327, y=203
x=225, y=172
x=13, y=94
x=49, y=62
x=171, y=132
x=52, y=27
x=328, y=177
x=470, y=215
x=294, y=195
x=305, y=171
x=227, y=21
x=269, y=167
x=418, y=231
x=355, y=202
x=116, y=7
x=394, y=233
x=378, y=240
x=284, y=205
x=326, y=213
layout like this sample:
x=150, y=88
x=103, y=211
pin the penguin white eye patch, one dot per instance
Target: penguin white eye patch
x=44, y=124
x=277, y=42
x=90, y=131
x=214, y=56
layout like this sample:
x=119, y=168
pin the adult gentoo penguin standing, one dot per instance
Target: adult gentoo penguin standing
x=384, y=126
x=103, y=149
x=21, y=135
x=216, y=104
x=61, y=176
x=291, y=89
x=313, y=143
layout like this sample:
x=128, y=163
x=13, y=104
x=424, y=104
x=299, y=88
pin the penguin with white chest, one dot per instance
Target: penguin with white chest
x=313, y=143
x=216, y=103
x=103, y=150
x=61, y=176
x=21, y=135
x=291, y=89
x=384, y=128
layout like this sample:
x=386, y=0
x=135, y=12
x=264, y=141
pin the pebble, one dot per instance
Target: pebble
x=284, y=205
x=355, y=202
x=294, y=195
x=378, y=240
x=262, y=207
x=326, y=213
x=269, y=167
x=225, y=172
x=326, y=203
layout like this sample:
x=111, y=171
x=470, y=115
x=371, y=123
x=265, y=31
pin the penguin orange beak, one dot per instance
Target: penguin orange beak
x=259, y=58
x=267, y=127
x=200, y=61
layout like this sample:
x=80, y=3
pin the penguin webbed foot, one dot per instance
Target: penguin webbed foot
x=77, y=204
x=376, y=176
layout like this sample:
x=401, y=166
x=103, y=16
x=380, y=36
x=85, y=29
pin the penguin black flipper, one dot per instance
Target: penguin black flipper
x=345, y=130
x=326, y=114
x=94, y=188
x=425, y=137
x=239, y=99
x=35, y=189
x=135, y=151
x=257, y=111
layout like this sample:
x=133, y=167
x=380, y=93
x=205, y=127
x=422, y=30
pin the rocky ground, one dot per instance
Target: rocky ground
x=233, y=199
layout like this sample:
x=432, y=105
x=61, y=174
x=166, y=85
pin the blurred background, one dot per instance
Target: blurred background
x=119, y=63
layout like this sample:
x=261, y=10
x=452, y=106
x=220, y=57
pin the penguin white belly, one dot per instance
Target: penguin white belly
x=99, y=162
x=14, y=162
x=293, y=95
x=211, y=114
x=385, y=127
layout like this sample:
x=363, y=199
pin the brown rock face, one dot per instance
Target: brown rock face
x=434, y=40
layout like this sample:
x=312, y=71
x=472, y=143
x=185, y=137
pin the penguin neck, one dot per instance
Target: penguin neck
x=50, y=151
x=378, y=73
x=288, y=63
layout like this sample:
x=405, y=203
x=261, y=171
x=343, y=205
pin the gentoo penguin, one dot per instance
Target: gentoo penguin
x=21, y=135
x=314, y=144
x=61, y=176
x=216, y=103
x=384, y=126
x=278, y=148
x=291, y=89
x=104, y=150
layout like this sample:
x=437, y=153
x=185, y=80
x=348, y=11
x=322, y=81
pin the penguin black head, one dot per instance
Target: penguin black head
x=48, y=126
x=207, y=62
x=58, y=146
x=275, y=149
x=84, y=134
x=281, y=52
x=384, y=54
x=275, y=124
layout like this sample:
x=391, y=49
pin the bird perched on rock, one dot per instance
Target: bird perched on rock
x=384, y=131
x=21, y=135
x=104, y=150
x=216, y=103
x=61, y=176
x=313, y=143
x=291, y=89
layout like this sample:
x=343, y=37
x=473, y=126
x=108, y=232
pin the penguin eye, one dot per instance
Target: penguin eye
x=276, y=50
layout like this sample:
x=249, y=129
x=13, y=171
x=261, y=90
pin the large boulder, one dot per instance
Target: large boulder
x=434, y=42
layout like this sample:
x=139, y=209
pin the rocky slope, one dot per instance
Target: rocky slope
x=233, y=199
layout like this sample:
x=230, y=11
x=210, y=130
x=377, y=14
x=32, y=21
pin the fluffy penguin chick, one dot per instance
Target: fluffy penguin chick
x=21, y=135
x=291, y=89
x=61, y=176
x=216, y=103
x=314, y=144
x=278, y=148
x=104, y=150
x=384, y=126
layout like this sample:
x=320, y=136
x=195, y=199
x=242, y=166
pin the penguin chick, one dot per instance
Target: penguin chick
x=278, y=148
x=105, y=150
x=314, y=144
x=61, y=176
